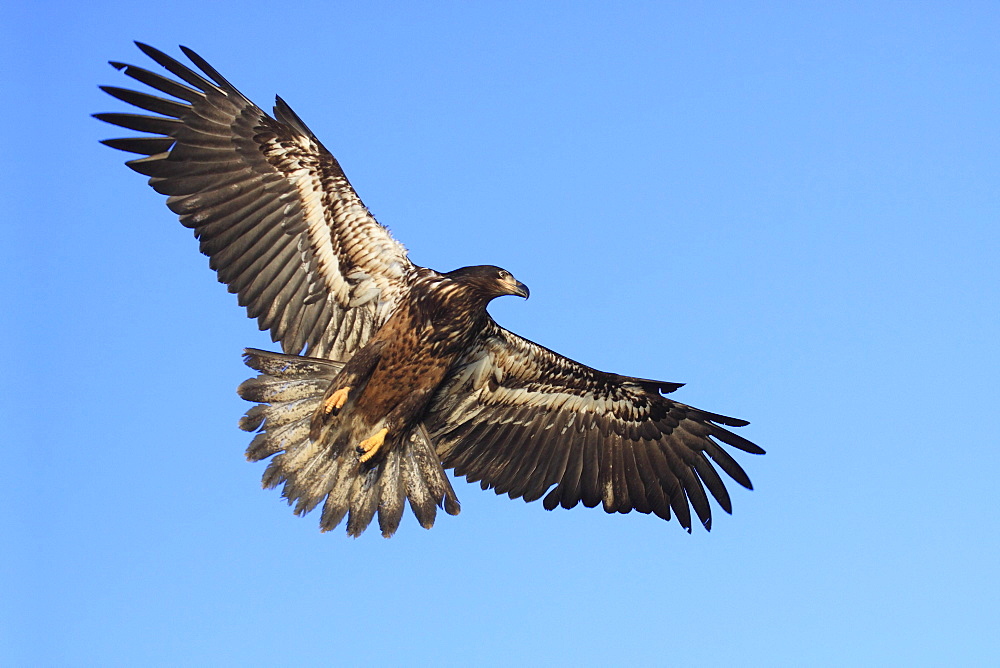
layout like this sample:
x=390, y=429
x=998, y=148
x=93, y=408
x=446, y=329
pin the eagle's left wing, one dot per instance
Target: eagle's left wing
x=525, y=420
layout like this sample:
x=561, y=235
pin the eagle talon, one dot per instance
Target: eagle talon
x=370, y=446
x=336, y=401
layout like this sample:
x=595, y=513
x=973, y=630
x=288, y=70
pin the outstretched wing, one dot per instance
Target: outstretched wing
x=525, y=421
x=270, y=205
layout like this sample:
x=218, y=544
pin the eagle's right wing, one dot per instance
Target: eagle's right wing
x=270, y=205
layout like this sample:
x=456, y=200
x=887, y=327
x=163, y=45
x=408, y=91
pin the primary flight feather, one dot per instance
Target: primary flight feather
x=391, y=372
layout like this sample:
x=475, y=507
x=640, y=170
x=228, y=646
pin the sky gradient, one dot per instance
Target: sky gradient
x=793, y=210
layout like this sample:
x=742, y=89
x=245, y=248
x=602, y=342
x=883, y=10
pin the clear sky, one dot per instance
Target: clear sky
x=791, y=208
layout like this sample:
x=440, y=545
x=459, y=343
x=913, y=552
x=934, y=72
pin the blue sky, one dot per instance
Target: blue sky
x=792, y=209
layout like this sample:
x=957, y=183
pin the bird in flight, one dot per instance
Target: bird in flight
x=390, y=372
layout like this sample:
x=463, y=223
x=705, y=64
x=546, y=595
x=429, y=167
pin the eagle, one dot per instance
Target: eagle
x=390, y=373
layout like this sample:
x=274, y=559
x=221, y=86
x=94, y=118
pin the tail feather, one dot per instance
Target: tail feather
x=270, y=390
x=421, y=501
x=390, y=511
x=289, y=390
x=289, y=366
x=278, y=437
x=427, y=486
x=292, y=411
x=433, y=472
x=337, y=500
x=366, y=491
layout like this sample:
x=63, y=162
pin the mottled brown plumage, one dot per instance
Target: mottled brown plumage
x=406, y=373
x=393, y=377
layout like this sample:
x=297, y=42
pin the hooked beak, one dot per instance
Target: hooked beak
x=521, y=290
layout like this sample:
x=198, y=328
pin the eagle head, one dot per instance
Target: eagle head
x=490, y=281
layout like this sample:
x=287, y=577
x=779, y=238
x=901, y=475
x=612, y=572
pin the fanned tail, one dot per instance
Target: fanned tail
x=290, y=389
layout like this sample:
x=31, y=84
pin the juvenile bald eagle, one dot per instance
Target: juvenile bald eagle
x=406, y=374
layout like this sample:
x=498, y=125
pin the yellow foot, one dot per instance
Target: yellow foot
x=370, y=446
x=336, y=400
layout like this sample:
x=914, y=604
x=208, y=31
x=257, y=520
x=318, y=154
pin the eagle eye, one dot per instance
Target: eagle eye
x=504, y=274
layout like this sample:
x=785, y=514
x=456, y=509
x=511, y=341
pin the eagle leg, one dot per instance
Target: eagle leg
x=354, y=374
x=336, y=401
x=332, y=403
x=369, y=447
